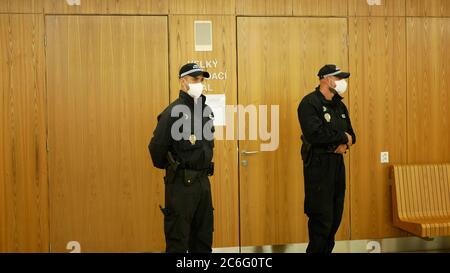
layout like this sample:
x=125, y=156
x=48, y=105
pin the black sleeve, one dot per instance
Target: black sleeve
x=161, y=141
x=350, y=128
x=314, y=129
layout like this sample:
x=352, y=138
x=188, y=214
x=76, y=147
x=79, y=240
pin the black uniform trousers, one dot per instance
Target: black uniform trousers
x=188, y=216
x=324, y=200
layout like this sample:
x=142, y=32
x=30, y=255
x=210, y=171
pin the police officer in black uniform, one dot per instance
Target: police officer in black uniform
x=182, y=144
x=327, y=135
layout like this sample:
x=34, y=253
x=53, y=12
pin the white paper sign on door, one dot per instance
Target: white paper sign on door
x=217, y=103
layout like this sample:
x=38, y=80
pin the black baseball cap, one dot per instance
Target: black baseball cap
x=193, y=70
x=332, y=70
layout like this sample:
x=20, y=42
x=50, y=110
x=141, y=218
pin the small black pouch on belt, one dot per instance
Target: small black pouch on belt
x=190, y=176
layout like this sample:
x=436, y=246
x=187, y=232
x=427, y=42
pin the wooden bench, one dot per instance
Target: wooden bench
x=421, y=199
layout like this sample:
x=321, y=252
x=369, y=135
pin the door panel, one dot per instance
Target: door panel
x=23, y=157
x=427, y=73
x=107, y=82
x=378, y=111
x=278, y=60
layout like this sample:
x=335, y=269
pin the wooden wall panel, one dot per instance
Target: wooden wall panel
x=320, y=7
x=107, y=82
x=23, y=164
x=222, y=7
x=108, y=7
x=387, y=8
x=21, y=6
x=428, y=7
x=428, y=80
x=4, y=85
x=264, y=7
x=378, y=111
x=279, y=68
x=225, y=180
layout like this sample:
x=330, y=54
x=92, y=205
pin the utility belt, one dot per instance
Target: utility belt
x=323, y=150
x=308, y=150
x=188, y=176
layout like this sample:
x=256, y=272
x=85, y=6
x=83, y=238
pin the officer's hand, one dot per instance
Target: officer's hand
x=350, y=139
x=341, y=149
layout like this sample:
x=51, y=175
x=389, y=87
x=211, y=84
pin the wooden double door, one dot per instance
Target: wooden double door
x=107, y=80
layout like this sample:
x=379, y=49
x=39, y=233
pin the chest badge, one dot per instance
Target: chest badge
x=343, y=116
x=324, y=108
x=327, y=117
x=192, y=139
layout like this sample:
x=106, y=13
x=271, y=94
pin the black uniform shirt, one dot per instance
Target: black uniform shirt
x=192, y=152
x=324, y=122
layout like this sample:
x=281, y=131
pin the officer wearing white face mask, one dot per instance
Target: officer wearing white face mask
x=188, y=211
x=327, y=135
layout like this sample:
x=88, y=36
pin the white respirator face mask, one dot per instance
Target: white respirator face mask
x=341, y=86
x=195, y=90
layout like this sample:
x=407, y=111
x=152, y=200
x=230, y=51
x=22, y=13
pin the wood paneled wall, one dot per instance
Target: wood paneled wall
x=404, y=111
x=108, y=7
x=378, y=110
x=339, y=8
x=103, y=100
x=428, y=99
x=388, y=8
x=271, y=185
x=264, y=7
x=427, y=8
x=23, y=157
x=222, y=7
x=21, y=6
x=320, y=7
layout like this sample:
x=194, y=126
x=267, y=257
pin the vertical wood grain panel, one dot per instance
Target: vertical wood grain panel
x=107, y=82
x=23, y=176
x=387, y=8
x=21, y=6
x=108, y=7
x=264, y=7
x=320, y=7
x=378, y=111
x=222, y=7
x=428, y=8
x=428, y=101
x=4, y=84
x=225, y=180
x=279, y=68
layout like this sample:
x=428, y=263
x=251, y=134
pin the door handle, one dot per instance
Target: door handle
x=245, y=153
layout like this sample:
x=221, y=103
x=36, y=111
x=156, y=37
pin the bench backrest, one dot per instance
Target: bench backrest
x=422, y=191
